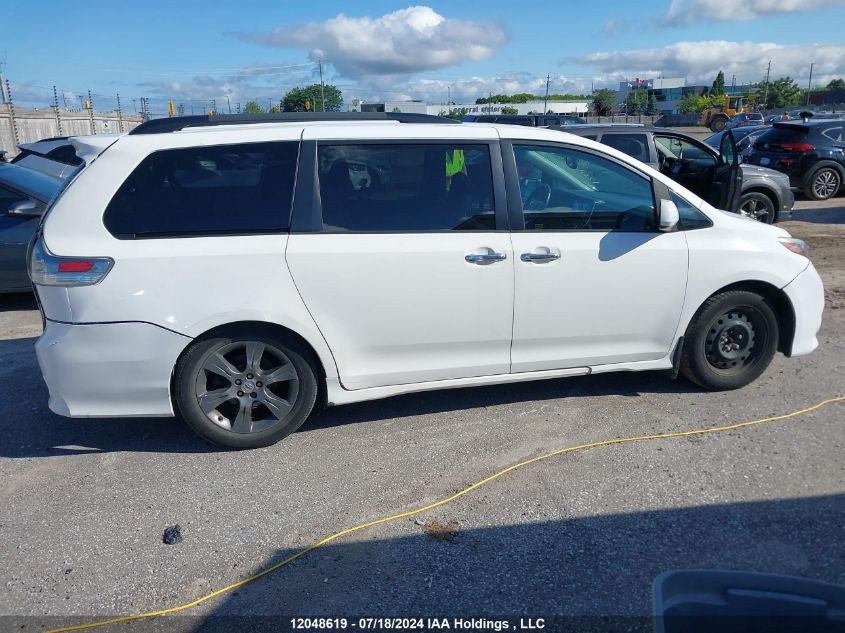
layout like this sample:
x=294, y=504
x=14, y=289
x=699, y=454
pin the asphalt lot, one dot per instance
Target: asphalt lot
x=83, y=503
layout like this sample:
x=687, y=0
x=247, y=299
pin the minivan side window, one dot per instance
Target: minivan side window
x=565, y=189
x=398, y=187
x=217, y=190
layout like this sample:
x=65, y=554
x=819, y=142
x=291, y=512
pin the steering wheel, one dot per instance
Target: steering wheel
x=539, y=198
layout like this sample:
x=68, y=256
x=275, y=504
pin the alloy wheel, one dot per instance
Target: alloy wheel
x=247, y=386
x=825, y=183
x=755, y=209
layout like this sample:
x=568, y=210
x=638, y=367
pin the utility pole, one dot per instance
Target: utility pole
x=90, y=104
x=56, y=110
x=322, y=86
x=766, y=94
x=229, y=104
x=15, y=138
x=810, y=83
x=119, y=114
x=546, y=98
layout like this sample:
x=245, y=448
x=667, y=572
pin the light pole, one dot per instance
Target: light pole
x=810, y=83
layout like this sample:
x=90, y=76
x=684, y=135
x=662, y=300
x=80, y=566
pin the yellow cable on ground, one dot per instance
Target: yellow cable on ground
x=444, y=501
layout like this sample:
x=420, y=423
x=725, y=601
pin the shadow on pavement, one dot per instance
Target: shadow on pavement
x=592, y=573
x=821, y=215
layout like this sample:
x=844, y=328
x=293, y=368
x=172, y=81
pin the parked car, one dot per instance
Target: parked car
x=531, y=120
x=52, y=156
x=24, y=195
x=810, y=152
x=744, y=119
x=763, y=194
x=744, y=137
x=232, y=273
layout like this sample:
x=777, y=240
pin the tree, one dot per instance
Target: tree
x=507, y=110
x=456, y=113
x=603, y=101
x=836, y=84
x=783, y=93
x=309, y=99
x=651, y=108
x=636, y=101
x=252, y=107
x=395, y=109
x=718, y=88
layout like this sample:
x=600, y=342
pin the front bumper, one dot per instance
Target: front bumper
x=806, y=293
x=108, y=369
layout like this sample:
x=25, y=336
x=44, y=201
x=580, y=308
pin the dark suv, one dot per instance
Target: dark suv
x=531, y=120
x=811, y=153
x=762, y=194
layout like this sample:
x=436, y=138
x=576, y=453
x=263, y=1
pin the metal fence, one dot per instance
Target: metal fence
x=24, y=125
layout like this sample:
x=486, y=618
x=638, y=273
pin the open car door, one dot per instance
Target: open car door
x=726, y=189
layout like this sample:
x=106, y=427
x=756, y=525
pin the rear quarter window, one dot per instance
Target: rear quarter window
x=218, y=190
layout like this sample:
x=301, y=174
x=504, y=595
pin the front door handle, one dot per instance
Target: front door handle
x=485, y=258
x=539, y=258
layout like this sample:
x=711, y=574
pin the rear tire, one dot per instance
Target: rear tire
x=245, y=390
x=823, y=183
x=730, y=341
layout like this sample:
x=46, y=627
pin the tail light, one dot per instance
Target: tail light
x=797, y=147
x=46, y=269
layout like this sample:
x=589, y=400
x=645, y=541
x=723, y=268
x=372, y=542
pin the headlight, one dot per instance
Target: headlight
x=799, y=247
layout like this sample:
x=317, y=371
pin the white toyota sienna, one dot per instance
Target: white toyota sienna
x=238, y=270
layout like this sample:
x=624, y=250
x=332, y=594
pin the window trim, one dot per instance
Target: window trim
x=307, y=214
x=207, y=233
x=515, y=211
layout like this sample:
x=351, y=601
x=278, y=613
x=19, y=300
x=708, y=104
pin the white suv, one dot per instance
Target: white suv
x=238, y=271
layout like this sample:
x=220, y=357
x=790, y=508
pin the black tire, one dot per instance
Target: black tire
x=757, y=206
x=718, y=123
x=823, y=183
x=734, y=318
x=267, y=423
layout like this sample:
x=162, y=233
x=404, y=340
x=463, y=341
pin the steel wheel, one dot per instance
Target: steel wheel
x=731, y=340
x=247, y=387
x=825, y=184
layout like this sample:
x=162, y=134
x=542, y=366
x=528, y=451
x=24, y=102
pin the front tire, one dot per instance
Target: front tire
x=730, y=341
x=757, y=206
x=823, y=183
x=245, y=391
x=718, y=123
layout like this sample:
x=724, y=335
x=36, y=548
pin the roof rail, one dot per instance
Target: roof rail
x=174, y=124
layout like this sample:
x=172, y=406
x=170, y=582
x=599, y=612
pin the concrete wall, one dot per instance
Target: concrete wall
x=34, y=125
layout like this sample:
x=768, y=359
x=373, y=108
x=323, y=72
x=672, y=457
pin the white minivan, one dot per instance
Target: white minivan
x=240, y=270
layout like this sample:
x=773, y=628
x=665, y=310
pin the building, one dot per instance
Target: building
x=394, y=106
x=668, y=91
x=530, y=107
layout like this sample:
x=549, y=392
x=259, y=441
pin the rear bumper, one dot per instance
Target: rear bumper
x=806, y=293
x=109, y=369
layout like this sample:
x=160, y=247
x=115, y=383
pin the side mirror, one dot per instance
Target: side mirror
x=669, y=216
x=25, y=208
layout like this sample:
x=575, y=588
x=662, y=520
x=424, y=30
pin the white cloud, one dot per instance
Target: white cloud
x=404, y=42
x=700, y=61
x=689, y=12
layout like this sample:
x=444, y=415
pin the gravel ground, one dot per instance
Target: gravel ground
x=83, y=503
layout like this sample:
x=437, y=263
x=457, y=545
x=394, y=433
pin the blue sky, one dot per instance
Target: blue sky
x=194, y=51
